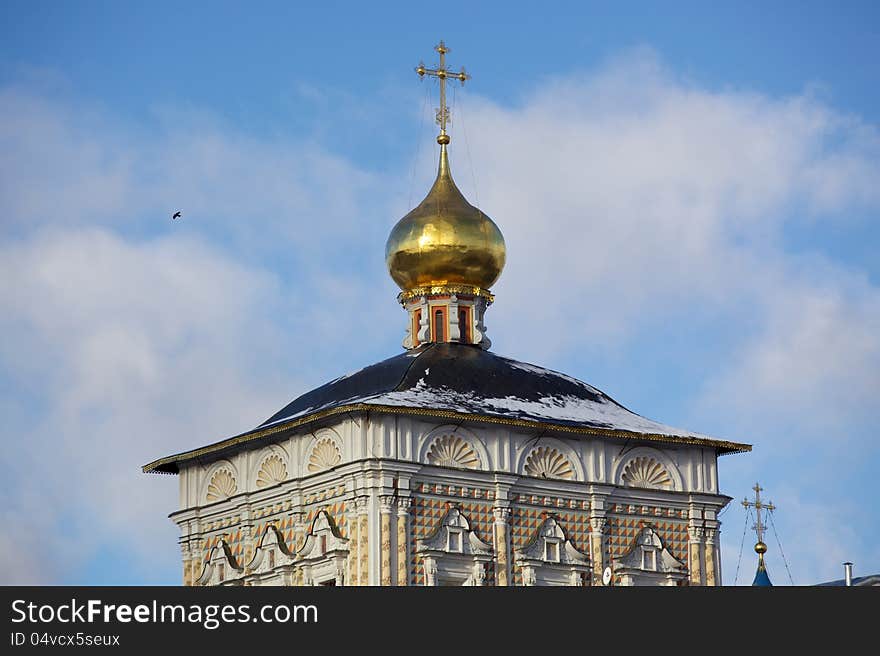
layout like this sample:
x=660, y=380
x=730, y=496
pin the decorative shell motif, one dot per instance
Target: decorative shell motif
x=452, y=451
x=546, y=462
x=273, y=470
x=646, y=472
x=324, y=455
x=222, y=485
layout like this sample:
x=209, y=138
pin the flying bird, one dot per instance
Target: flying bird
x=176, y=215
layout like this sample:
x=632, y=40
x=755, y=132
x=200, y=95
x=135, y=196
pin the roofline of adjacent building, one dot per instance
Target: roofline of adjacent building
x=171, y=464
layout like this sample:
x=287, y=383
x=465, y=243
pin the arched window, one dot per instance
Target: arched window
x=464, y=325
x=439, y=325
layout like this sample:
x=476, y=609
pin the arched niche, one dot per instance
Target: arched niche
x=640, y=457
x=217, y=487
x=548, y=449
x=454, y=446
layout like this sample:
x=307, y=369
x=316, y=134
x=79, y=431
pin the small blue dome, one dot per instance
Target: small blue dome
x=761, y=577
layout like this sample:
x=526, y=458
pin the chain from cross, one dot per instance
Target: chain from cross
x=759, y=505
x=442, y=73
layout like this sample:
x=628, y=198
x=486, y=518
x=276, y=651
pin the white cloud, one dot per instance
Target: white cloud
x=630, y=199
x=645, y=196
x=135, y=350
x=77, y=164
x=814, y=367
x=127, y=336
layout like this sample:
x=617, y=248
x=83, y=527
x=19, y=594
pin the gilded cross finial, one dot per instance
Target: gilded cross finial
x=758, y=527
x=442, y=73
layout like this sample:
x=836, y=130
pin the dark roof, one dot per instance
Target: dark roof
x=459, y=380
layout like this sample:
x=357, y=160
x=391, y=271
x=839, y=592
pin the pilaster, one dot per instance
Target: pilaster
x=186, y=556
x=597, y=545
x=502, y=569
x=598, y=524
x=386, y=504
x=363, y=504
x=695, y=546
x=711, y=572
x=353, y=559
x=247, y=531
x=403, y=506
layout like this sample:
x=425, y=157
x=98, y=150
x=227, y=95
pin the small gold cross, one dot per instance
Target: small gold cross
x=758, y=505
x=442, y=73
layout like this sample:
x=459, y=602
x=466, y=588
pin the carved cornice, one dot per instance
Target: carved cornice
x=169, y=463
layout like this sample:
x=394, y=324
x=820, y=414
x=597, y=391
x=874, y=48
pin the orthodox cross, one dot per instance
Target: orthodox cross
x=441, y=73
x=759, y=505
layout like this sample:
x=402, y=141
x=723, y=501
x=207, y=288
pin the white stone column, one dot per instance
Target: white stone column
x=695, y=546
x=430, y=566
x=363, y=504
x=711, y=571
x=597, y=545
x=454, y=330
x=248, y=537
x=299, y=529
x=386, y=503
x=353, y=560
x=189, y=576
x=403, y=505
x=502, y=546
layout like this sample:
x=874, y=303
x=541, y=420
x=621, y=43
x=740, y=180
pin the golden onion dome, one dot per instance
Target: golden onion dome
x=445, y=240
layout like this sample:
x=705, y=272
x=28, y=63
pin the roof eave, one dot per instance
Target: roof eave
x=171, y=464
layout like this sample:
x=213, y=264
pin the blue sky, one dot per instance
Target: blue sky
x=688, y=191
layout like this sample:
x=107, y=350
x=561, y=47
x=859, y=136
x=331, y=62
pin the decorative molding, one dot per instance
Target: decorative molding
x=550, y=558
x=271, y=552
x=453, y=523
x=648, y=561
x=272, y=471
x=324, y=455
x=453, y=451
x=171, y=464
x=221, y=567
x=453, y=554
x=547, y=462
x=444, y=289
x=646, y=472
x=222, y=486
x=323, y=558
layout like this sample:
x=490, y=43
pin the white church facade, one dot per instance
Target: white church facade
x=448, y=464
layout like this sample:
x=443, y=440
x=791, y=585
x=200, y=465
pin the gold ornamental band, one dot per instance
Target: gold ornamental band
x=441, y=289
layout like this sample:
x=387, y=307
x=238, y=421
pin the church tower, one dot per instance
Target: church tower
x=762, y=578
x=448, y=464
x=445, y=254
